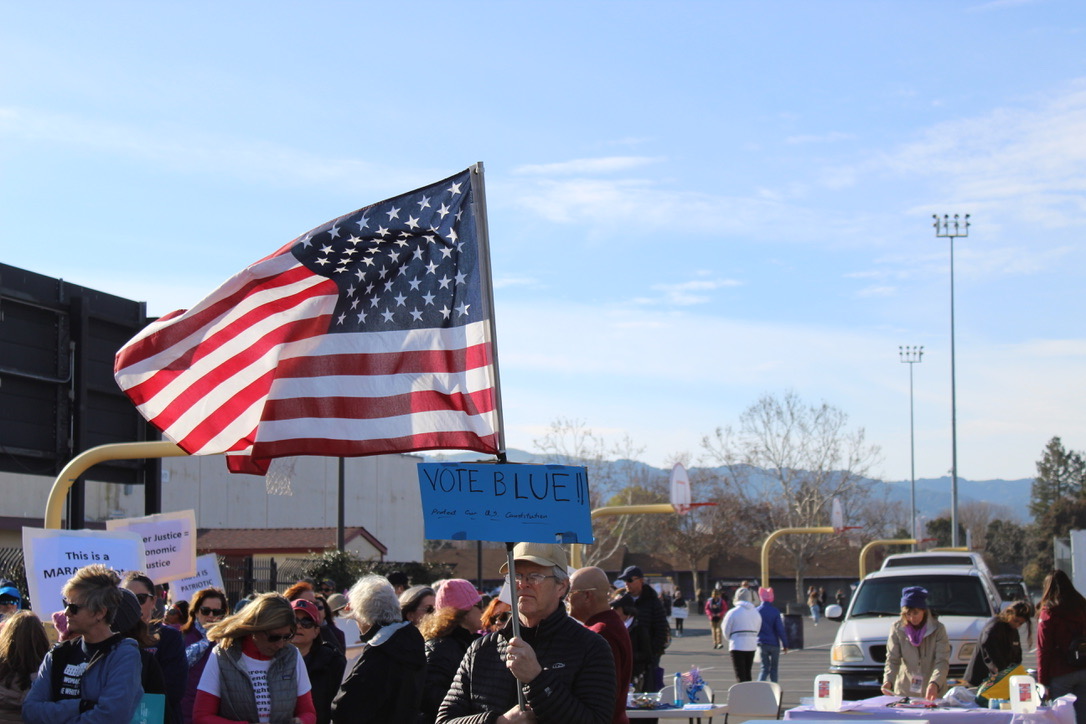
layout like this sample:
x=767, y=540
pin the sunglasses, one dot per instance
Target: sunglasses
x=208, y=611
x=276, y=638
x=144, y=597
x=305, y=622
x=71, y=608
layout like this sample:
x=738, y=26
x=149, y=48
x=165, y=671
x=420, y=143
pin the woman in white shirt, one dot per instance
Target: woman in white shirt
x=253, y=673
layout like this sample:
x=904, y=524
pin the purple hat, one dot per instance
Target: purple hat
x=457, y=593
x=914, y=597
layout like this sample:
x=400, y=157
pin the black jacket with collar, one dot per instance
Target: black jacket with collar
x=576, y=686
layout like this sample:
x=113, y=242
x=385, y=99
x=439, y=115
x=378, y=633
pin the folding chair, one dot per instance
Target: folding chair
x=754, y=700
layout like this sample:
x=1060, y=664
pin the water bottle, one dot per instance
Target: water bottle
x=678, y=691
x=828, y=692
x=1024, y=697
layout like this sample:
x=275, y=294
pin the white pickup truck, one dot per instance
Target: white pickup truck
x=962, y=597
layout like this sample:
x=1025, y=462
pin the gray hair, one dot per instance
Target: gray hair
x=373, y=601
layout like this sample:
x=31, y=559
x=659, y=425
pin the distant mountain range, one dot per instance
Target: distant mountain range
x=932, y=494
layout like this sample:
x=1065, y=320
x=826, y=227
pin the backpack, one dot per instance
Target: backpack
x=1076, y=652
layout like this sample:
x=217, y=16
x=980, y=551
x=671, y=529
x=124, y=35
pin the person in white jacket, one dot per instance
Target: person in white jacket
x=741, y=626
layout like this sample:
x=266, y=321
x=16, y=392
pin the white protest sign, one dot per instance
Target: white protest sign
x=53, y=556
x=169, y=540
x=207, y=576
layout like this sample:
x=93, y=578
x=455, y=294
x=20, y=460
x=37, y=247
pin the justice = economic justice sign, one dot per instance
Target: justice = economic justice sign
x=506, y=502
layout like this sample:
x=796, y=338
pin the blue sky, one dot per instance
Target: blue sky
x=690, y=203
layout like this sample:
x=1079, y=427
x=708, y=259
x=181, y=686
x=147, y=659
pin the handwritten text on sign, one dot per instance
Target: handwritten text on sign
x=523, y=503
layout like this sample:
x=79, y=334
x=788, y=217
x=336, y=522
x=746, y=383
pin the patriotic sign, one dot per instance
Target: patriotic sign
x=369, y=334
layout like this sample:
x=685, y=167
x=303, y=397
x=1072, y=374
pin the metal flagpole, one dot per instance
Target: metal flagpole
x=478, y=189
x=514, y=613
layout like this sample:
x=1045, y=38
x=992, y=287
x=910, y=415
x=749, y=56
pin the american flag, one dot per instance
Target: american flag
x=369, y=334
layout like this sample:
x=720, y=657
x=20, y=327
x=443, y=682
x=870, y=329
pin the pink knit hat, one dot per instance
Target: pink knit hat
x=457, y=593
x=766, y=594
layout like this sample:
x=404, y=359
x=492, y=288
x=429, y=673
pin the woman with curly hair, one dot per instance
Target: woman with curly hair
x=253, y=673
x=449, y=632
x=23, y=645
x=385, y=683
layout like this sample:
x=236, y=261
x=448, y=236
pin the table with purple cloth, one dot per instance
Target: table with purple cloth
x=1061, y=712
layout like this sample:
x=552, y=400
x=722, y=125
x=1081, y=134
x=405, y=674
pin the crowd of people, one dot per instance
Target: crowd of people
x=442, y=652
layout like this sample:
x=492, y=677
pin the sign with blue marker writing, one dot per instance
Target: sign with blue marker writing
x=506, y=502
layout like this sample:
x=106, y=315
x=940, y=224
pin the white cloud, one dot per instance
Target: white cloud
x=691, y=292
x=586, y=166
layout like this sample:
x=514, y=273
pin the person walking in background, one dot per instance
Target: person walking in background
x=715, y=608
x=772, y=638
x=679, y=612
x=1062, y=619
x=23, y=645
x=741, y=626
x=814, y=603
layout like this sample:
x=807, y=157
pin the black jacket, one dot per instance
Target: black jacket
x=443, y=656
x=999, y=647
x=650, y=614
x=325, y=667
x=385, y=683
x=577, y=685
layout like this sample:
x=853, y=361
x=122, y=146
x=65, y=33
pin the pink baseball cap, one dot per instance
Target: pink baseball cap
x=309, y=608
x=457, y=593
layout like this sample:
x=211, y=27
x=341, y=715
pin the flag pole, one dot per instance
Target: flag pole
x=478, y=189
x=514, y=614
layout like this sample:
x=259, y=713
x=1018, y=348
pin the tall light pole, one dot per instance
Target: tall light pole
x=952, y=228
x=912, y=356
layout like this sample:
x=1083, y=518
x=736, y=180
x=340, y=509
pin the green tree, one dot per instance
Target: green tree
x=1064, y=516
x=939, y=529
x=1006, y=546
x=1061, y=473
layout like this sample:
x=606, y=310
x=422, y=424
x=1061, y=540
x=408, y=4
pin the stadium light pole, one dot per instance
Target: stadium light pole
x=911, y=356
x=952, y=228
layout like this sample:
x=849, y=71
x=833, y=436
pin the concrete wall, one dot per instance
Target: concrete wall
x=381, y=494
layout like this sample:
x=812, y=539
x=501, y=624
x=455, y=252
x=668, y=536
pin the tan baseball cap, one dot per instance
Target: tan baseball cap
x=544, y=554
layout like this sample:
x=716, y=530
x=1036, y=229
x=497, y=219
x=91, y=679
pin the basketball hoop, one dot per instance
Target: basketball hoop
x=280, y=474
x=680, y=489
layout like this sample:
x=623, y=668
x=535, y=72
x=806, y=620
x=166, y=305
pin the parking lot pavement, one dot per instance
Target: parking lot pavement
x=798, y=668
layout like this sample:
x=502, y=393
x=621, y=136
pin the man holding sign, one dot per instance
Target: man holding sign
x=566, y=672
x=93, y=678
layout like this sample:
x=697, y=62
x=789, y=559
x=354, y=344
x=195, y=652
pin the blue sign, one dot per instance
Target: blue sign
x=506, y=502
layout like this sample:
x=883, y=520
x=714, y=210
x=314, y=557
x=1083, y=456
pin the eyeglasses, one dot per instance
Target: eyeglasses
x=533, y=578
x=71, y=608
x=208, y=611
x=144, y=597
x=276, y=638
x=428, y=609
x=305, y=622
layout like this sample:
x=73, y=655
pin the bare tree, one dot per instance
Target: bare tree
x=612, y=469
x=975, y=516
x=793, y=459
